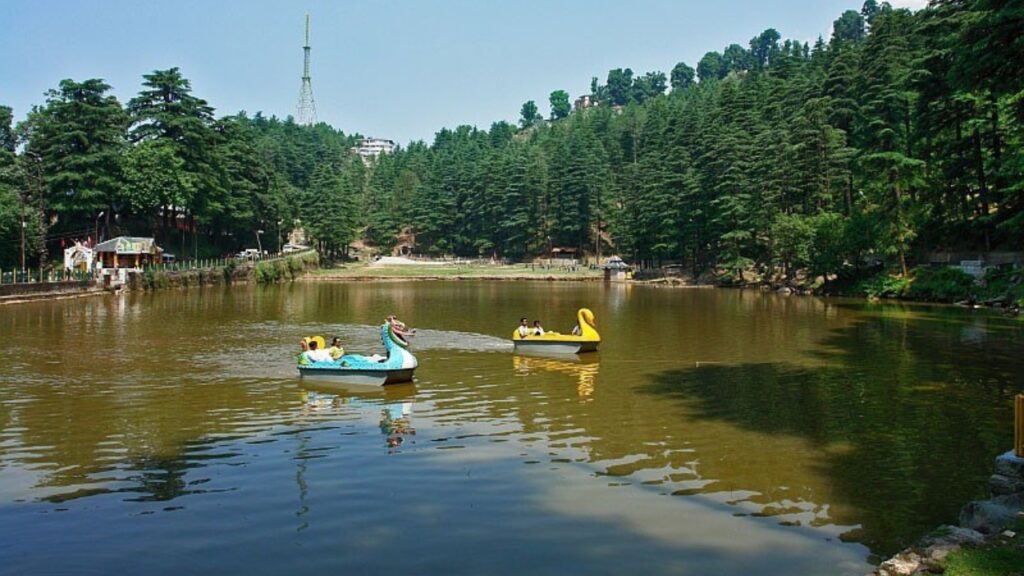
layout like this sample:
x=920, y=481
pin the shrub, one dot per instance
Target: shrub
x=229, y=271
x=1006, y=283
x=265, y=272
x=155, y=280
x=882, y=286
x=942, y=284
x=287, y=269
x=281, y=271
x=190, y=278
x=926, y=284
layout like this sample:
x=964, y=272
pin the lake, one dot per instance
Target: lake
x=716, y=432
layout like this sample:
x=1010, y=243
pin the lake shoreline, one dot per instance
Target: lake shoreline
x=424, y=273
x=182, y=279
x=988, y=531
x=431, y=277
x=410, y=274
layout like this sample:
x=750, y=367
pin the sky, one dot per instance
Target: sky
x=398, y=69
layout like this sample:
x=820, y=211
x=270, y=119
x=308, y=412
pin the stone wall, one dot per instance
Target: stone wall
x=981, y=521
x=41, y=290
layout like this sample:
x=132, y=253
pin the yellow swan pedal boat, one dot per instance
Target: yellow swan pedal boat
x=555, y=343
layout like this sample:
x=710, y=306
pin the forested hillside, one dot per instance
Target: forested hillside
x=83, y=164
x=900, y=134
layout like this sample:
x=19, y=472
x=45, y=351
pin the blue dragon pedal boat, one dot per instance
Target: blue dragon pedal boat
x=396, y=368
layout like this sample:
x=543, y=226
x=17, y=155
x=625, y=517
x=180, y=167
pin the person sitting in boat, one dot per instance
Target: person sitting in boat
x=316, y=355
x=303, y=348
x=576, y=330
x=336, y=351
x=538, y=330
x=524, y=327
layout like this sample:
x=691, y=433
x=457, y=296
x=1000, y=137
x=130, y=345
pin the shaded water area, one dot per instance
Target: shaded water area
x=716, y=432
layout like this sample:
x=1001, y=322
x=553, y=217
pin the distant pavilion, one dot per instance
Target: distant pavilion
x=127, y=252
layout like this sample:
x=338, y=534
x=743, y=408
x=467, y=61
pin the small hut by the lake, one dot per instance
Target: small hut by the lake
x=563, y=253
x=78, y=258
x=127, y=252
x=616, y=270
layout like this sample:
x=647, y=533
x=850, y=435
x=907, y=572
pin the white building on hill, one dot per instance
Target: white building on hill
x=372, y=147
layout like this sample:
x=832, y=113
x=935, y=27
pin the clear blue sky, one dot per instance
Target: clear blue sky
x=400, y=69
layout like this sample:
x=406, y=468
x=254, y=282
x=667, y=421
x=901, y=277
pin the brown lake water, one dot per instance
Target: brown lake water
x=716, y=432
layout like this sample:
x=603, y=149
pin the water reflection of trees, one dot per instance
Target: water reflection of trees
x=89, y=438
x=887, y=427
x=889, y=423
x=906, y=418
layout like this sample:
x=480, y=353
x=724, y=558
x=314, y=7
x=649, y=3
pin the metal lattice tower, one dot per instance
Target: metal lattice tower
x=306, y=109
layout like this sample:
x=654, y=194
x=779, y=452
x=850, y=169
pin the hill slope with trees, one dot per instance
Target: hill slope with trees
x=900, y=135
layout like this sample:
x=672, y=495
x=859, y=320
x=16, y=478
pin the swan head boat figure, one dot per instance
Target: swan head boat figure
x=587, y=340
x=394, y=368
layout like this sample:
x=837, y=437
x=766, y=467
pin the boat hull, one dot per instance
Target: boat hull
x=364, y=377
x=554, y=347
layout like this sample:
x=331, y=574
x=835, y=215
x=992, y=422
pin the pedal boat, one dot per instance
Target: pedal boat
x=559, y=344
x=397, y=368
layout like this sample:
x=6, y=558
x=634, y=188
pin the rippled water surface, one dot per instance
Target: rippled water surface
x=716, y=432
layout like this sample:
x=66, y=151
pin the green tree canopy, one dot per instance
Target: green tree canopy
x=682, y=76
x=528, y=114
x=560, y=106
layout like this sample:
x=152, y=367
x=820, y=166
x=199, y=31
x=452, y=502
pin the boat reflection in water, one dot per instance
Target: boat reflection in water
x=583, y=368
x=394, y=402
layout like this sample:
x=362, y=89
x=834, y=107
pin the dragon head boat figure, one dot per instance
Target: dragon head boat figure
x=395, y=367
x=586, y=340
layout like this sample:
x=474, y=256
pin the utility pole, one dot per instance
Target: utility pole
x=96, y=238
x=305, y=112
x=22, y=197
x=40, y=193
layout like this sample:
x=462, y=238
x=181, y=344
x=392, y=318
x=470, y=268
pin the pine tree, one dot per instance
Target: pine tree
x=76, y=140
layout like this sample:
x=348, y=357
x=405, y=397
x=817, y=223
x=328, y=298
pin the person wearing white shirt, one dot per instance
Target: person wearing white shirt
x=524, y=328
x=317, y=355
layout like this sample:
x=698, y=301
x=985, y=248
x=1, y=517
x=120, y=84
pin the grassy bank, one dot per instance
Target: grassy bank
x=1004, y=287
x=997, y=558
x=363, y=271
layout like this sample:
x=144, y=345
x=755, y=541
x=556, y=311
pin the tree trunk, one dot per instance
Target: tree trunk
x=899, y=230
x=997, y=144
x=849, y=194
x=166, y=219
x=979, y=162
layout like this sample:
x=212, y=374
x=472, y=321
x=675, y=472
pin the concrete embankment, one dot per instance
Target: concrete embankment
x=31, y=291
x=424, y=278
x=283, y=269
